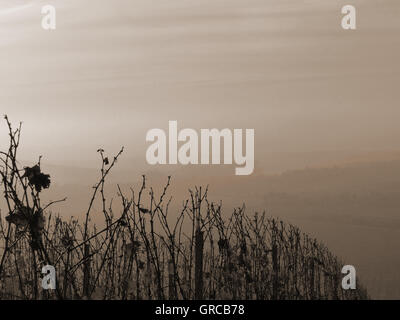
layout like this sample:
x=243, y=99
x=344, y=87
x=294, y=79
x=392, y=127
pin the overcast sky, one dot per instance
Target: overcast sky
x=114, y=69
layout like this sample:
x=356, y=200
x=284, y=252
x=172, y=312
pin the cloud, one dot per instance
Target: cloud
x=8, y=11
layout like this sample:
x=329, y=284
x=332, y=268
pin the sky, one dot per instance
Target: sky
x=115, y=69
